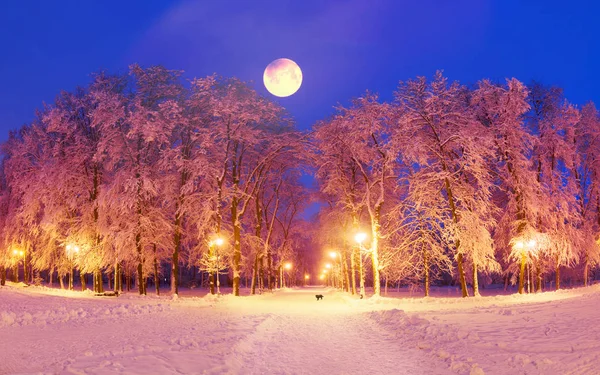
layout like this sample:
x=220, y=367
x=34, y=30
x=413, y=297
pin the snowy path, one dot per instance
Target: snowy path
x=60, y=332
x=323, y=340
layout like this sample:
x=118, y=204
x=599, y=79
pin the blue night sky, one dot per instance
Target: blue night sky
x=343, y=47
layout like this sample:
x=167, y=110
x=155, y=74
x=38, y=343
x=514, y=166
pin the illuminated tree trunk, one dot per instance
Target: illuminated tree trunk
x=118, y=286
x=362, y=275
x=539, y=276
x=81, y=280
x=175, y=257
x=257, y=233
x=255, y=275
x=426, y=270
x=98, y=281
x=353, y=269
x=522, y=272
x=375, y=255
x=25, y=269
x=237, y=246
x=557, y=274
x=475, y=281
x=140, y=265
x=459, y=258
x=345, y=271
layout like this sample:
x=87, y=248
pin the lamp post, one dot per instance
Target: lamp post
x=525, y=251
x=71, y=250
x=287, y=266
x=360, y=237
x=306, y=278
x=216, y=244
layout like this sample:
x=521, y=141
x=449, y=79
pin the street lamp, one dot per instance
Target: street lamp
x=525, y=249
x=216, y=243
x=71, y=251
x=287, y=266
x=360, y=237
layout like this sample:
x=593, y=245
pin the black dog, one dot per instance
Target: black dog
x=319, y=296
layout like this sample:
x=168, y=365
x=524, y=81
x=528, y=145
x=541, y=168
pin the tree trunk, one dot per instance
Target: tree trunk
x=345, y=271
x=175, y=261
x=475, y=281
x=99, y=283
x=522, y=272
x=237, y=246
x=261, y=275
x=586, y=266
x=375, y=259
x=156, y=275
x=2, y=276
x=459, y=258
x=255, y=275
x=353, y=270
x=557, y=274
x=426, y=270
x=386, y=285
x=462, y=278
x=362, y=275
x=538, y=277
x=61, y=281
x=140, y=266
x=82, y=280
x=25, y=270
x=117, y=283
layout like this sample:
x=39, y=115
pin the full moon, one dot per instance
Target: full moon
x=282, y=77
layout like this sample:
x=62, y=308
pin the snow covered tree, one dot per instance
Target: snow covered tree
x=438, y=132
x=554, y=120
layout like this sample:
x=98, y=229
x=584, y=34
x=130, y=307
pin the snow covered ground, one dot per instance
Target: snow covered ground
x=50, y=331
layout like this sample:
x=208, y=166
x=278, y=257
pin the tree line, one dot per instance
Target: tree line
x=494, y=181
x=138, y=173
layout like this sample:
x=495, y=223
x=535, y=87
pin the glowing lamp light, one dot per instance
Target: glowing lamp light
x=15, y=252
x=328, y=265
x=322, y=277
x=518, y=245
x=360, y=237
x=333, y=254
x=21, y=253
x=531, y=243
x=288, y=266
x=219, y=241
x=325, y=270
x=306, y=277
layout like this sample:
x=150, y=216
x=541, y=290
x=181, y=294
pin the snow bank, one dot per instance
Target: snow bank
x=64, y=314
